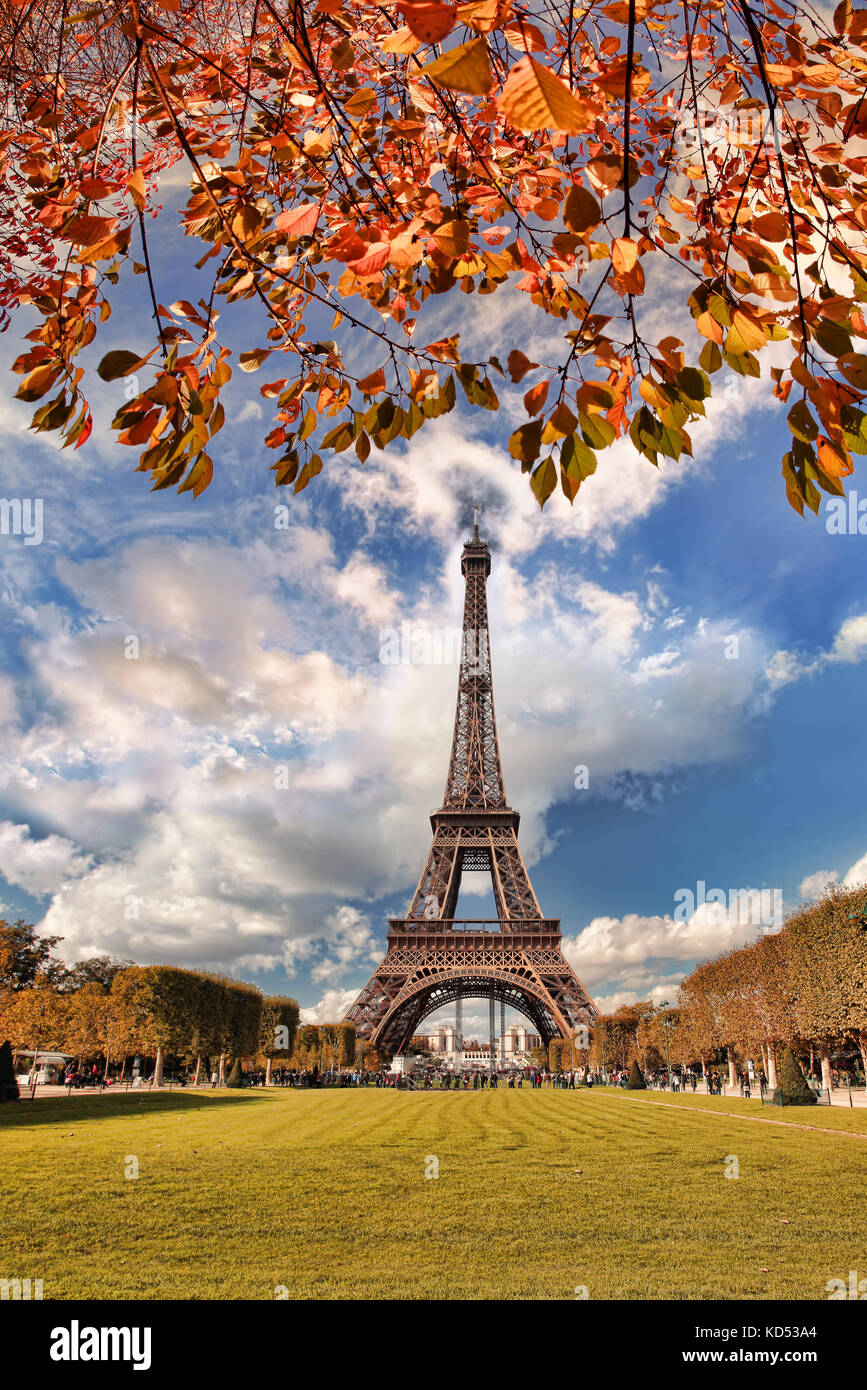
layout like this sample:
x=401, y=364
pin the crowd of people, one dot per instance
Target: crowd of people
x=687, y=1079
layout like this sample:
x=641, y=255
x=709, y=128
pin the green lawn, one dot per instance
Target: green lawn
x=325, y=1193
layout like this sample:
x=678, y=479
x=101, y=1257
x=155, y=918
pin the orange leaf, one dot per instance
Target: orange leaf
x=779, y=74
x=771, y=226
x=534, y=98
x=495, y=236
x=709, y=328
x=141, y=430
x=535, y=398
x=466, y=68
x=89, y=231
x=613, y=80
x=403, y=40
x=624, y=255
x=104, y=250
x=407, y=249
x=606, y=172
x=429, y=22
x=833, y=459
x=453, y=238
x=318, y=144
x=369, y=385
x=526, y=36
x=581, y=212
x=136, y=185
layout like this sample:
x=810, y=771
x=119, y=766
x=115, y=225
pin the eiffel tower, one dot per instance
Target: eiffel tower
x=434, y=959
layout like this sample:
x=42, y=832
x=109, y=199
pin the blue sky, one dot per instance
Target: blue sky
x=140, y=811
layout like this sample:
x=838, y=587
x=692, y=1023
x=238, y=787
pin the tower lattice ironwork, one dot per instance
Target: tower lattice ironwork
x=433, y=958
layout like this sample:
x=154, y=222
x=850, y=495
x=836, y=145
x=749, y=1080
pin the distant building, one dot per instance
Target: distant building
x=512, y=1048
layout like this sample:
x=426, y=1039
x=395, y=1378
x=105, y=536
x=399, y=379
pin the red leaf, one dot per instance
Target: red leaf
x=430, y=22
x=373, y=261
x=298, y=221
x=519, y=365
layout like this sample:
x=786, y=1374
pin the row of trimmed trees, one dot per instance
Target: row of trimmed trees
x=157, y=1011
x=804, y=987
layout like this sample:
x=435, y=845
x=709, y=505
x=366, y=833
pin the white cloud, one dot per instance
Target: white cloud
x=636, y=957
x=351, y=941
x=815, y=884
x=857, y=875
x=38, y=866
x=331, y=1007
x=849, y=646
x=250, y=410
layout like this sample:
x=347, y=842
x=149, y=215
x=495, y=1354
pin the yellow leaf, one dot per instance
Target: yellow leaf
x=453, y=238
x=745, y=334
x=468, y=265
x=105, y=250
x=534, y=98
x=561, y=423
x=466, y=68
x=481, y=15
x=360, y=102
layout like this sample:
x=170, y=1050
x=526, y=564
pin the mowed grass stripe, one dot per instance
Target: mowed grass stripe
x=823, y=1119
x=324, y=1193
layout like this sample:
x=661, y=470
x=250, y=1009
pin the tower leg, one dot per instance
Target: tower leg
x=492, y=1013
x=459, y=1029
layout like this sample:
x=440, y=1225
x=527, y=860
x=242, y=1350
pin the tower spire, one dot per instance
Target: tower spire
x=475, y=777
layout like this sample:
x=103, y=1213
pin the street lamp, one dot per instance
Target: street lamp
x=665, y=1024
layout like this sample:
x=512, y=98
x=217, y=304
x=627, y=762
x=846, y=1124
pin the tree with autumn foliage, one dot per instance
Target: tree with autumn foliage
x=348, y=166
x=277, y=1028
x=34, y=1019
x=620, y=1032
x=827, y=947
